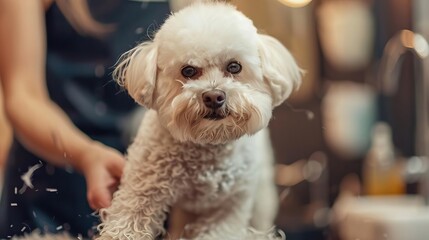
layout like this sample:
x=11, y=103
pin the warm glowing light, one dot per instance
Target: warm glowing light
x=295, y=3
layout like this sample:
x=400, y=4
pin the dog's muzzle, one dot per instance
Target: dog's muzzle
x=214, y=100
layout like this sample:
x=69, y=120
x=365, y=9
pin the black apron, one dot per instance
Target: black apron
x=79, y=80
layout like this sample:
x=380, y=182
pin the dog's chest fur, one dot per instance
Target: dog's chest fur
x=204, y=176
x=214, y=174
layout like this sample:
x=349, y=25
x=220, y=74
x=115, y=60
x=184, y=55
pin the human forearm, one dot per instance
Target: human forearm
x=6, y=133
x=45, y=129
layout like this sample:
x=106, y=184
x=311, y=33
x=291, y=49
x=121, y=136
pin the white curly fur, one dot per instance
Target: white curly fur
x=217, y=173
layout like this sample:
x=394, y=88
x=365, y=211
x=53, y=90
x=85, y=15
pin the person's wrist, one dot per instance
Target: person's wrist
x=86, y=154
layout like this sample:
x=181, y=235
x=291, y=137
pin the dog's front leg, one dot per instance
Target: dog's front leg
x=229, y=221
x=139, y=207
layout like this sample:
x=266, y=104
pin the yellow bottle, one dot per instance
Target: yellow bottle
x=381, y=172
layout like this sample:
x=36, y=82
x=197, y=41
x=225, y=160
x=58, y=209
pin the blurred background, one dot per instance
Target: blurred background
x=352, y=144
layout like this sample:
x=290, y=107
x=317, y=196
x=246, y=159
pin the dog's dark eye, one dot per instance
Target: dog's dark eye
x=234, y=67
x=189, y=71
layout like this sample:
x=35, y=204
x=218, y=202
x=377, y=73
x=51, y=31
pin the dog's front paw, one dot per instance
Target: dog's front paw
x=130, y=236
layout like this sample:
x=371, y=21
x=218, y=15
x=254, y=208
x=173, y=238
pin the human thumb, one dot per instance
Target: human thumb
x=98, y=193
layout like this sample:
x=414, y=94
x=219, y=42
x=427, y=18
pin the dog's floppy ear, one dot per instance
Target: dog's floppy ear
x=137, y=71
x=279, y=68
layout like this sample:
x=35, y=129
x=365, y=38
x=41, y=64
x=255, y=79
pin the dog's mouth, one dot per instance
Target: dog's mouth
x=215, y=116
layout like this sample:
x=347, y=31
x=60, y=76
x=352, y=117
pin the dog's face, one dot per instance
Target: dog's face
x=209, y=74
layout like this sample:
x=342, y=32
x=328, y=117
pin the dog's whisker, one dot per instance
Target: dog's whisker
x=181, y=82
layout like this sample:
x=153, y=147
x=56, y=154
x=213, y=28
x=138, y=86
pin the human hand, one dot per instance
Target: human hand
x=102, y=167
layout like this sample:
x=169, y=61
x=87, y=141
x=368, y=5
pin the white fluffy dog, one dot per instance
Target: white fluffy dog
x=211, y=83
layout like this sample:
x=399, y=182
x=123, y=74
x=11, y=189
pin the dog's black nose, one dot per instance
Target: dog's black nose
x=214, y=99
